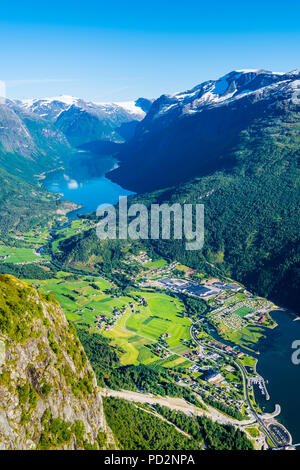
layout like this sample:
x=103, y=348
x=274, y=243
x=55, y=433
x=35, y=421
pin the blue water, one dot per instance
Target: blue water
x=83, y=181
x=276, y=366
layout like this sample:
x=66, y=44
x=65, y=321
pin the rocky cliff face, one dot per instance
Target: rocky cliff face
x=49, y=397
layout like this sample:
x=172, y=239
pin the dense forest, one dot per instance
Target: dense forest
x=216, y=436
x=137, y=429
x=23, y=205
x=252, y=213
x=27, y=271
x=141, y=429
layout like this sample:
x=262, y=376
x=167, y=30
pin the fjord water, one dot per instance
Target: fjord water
x=83, y=181
x=275, y=365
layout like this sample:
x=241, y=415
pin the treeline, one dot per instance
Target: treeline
x=110, y=373
x=136, y=429
x=194, y=306
x=216, y=436
x=102, y=356
x=27, y=271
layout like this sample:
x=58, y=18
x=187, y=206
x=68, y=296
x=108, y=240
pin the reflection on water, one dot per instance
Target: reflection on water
x=85, y=183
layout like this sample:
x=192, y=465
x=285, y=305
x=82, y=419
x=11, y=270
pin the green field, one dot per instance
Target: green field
x=243, y=311
x=135, y=332
x=163, y=314
x=80, y=294
x=245, y=337
x=83, y=297
x=133, y=347
x=19, y=255
x=159, y=263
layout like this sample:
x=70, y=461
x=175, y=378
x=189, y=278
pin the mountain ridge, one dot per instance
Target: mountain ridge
x=186, y=134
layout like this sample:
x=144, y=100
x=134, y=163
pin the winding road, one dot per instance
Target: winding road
x=246, y=389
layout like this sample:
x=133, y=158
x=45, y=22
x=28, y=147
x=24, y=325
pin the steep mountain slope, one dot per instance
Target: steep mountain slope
x=247, y=164
x=33, y=141
x=192, y=133
x=88, y=122
x=83, y=122
x=48, y=391
x=28, y=144
x=252, y=214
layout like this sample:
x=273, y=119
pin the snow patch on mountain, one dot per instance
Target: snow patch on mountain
x=52, y=107
x=128, y=106
x=238, y=84
x=66, y=99
x=296, y=93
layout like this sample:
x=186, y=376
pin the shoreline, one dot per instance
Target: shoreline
x=249, y=351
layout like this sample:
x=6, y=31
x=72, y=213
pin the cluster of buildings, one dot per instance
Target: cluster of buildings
x=141, y=301
x=159, y=351
x=204, y=290
x=104, y=322
x=189, y=287
x=165, y=335
x=220, y=390
x=230, y=320
x=226, y=348
x=141, y=258
x=260, y=317
x=212, y=376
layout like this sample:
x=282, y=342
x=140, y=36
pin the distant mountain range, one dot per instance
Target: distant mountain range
x=33, y=128
x=192, y=133
x=40, y=135
x=82, y=122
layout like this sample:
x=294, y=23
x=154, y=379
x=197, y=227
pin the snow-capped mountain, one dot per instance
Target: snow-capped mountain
x=255, y=85
x=51, y=108
x=86, y=121
x=189, y=133
x=29, y=141
x=234, y=86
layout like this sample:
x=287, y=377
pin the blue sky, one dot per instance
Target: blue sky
x=118, y=50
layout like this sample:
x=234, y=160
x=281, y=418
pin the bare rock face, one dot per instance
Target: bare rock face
x=49, y=397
